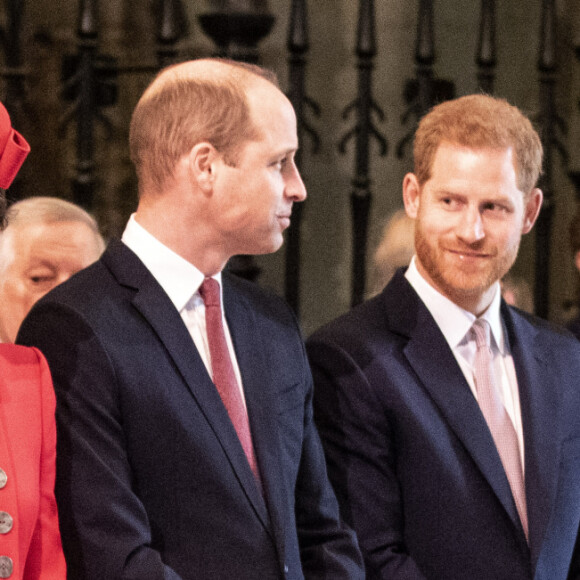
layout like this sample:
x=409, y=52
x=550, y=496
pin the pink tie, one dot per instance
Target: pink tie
x=498, y=420
x=224, y=377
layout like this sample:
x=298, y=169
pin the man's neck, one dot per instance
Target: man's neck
x=186, y=241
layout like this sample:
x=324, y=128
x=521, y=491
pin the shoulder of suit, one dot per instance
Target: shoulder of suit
x=80, y=287
x=550, y=330
x=116, y=265
x=356, y=326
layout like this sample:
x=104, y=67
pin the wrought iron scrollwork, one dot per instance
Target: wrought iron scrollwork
x=90, y=85
x=424, y=91
x=14, y=73
x=298, y=45
x=363, y=132
x=549, y=123
x=486, y=48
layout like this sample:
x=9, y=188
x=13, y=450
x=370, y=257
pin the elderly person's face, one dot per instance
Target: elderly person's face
x=34, y=258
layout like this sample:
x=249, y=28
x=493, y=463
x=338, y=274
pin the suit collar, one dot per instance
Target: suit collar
x=178, y=277
x=453, y=320
x=156, y=307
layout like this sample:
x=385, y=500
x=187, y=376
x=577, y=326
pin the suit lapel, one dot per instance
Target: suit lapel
x=261, y=402
x=156, y=307
x=540, y=404
x=436, y=367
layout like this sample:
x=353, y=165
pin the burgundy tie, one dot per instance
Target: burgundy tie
x=224, y=377
x=498, y=420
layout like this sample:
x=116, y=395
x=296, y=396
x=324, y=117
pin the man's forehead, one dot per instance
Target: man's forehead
x=45, y=230
x=447, y=145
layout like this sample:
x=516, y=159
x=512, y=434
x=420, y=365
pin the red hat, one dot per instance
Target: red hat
x=13, y=149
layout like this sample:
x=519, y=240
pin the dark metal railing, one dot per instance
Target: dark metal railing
x=14, y=72
x=425, y=90
x=486, y=48
x=172, y=27
x=91, y=80
x=298, y=45
x=550, y=124
x=363, y=132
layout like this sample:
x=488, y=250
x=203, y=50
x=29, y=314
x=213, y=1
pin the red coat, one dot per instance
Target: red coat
x=27, y=458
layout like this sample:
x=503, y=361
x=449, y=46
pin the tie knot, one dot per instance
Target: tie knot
x=481, y=331
x=210, y=292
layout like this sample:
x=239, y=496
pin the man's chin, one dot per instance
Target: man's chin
x=263, y=249
x=465, y=289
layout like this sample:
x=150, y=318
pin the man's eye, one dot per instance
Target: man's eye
x=495, y=208
x=41, y=279
x=450, y=202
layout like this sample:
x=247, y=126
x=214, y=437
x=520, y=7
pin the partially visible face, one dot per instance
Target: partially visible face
x=470, y=216
x=36, y=258
x=255, y=197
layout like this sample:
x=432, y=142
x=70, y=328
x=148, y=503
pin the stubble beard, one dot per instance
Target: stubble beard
x=461, y=287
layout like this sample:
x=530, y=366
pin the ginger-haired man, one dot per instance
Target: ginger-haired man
x=451, y=420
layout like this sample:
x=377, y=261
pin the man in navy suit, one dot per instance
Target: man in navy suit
x=158, y=475
x=434, y=483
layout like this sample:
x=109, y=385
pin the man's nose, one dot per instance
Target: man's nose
x=471, y=228
x=295, y=188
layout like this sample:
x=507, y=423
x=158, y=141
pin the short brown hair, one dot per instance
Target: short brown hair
x=479, y=121
x=172, y=116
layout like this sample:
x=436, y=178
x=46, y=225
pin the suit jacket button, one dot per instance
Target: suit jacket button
x=6, y=523
x=3, y=478
x=285, y=568
x=6, y=567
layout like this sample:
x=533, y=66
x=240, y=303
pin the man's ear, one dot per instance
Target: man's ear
x=202, y=165
x=411, y=194
x=577, y=260
x=532, y=209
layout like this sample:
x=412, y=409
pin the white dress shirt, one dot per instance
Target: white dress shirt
x=181, y=281
x=455, y=324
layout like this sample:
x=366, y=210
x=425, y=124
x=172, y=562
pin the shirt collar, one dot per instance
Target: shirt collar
x=179, y=278
x=453, y=321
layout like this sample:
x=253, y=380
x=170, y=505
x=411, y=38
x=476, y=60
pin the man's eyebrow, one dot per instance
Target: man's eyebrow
x=287, y=151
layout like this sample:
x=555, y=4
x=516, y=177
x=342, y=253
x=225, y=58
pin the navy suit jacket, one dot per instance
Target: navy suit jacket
x=411, y=457
x=152, y=481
